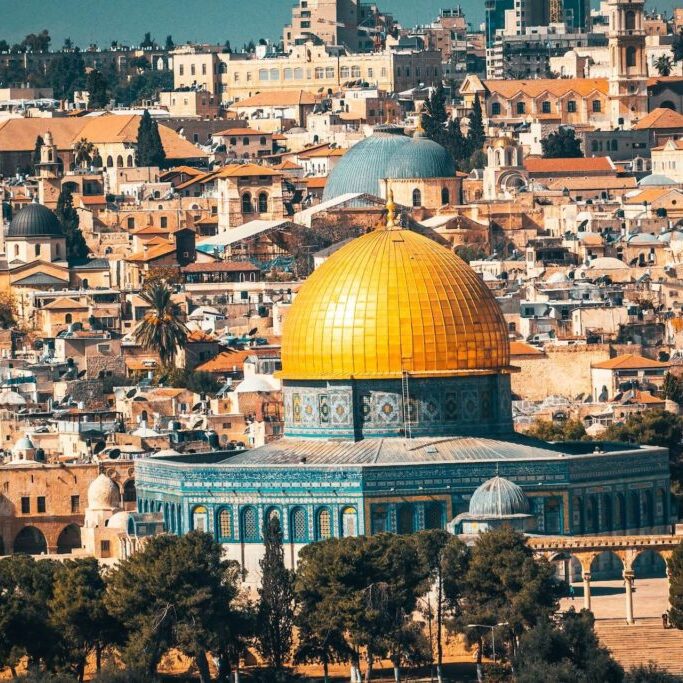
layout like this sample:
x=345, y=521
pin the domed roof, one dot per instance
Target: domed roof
x=23, y=444
x=257, y=383
x=11, y=398
x=119, y=520
x=656, y=180
x=393, y=301
x=421, y=158
x=498, y=497
x=103, y=494
x=35, y=220
x=364, y=165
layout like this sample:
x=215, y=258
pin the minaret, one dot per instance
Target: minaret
x=628, y=67
x=49, y=163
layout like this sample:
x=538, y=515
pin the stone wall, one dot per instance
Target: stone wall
x=559, y=371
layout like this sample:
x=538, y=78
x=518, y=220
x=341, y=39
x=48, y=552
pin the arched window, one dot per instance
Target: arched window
x=324, y=525
x=68, y=318
x=630, y=20
x=129, y=161
x=630, y=56
x=250, y=524
x=272, y=512
x=119, y=161
x=224, y=524
x=110, y=162
x=445, y=196
x=129, y=492
x=245, y=141
x=262, y=141
x=37, y=249
x=349, y=522
x=16, y=250
x=246, y=203
x=297, y=525
x=594, y=146
x=379, y=519
x=263, y=202
x=433, y=516
x=200, y=518
x=417, y=198
x=405, y=519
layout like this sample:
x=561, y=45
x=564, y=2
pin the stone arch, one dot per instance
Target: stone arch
x=119, y=161
x=69, y=539
x=648, y=562
x=568, y=566
x=30, y=541
x=608, y=564
x=129, y=492
x=263, y=202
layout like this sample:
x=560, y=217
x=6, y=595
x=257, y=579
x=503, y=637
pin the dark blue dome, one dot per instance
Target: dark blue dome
x=421, y=158
x=35, y=220
x=364, y=165
x=498, y=497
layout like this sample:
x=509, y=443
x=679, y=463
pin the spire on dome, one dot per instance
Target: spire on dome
x=391, y=211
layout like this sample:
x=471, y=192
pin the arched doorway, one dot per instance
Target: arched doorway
x=649, y=564
x=606, y=566
x=129, y=493
x=69, y=539
x=30, y=541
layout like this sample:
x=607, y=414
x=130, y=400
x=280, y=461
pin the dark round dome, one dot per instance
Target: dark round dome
x=498, y=497
x=35, y=220
x=421, y=158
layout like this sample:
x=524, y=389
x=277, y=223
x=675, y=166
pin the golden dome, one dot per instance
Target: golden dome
x=504, y=142
x=393, y=301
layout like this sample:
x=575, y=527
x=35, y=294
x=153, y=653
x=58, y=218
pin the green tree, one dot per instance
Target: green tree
x=650, y=673
x=98, y=87
x=275, y=614
x=162, y=329
x=76, y=247
x=672, y=388
x=677, y=46
x=169, y=45
x=198, y=382
x=549, y=430
x=8, y=310
x=475, y=135
x=434, y=114
x=565, y=651
x=4, y=46
x=148, y=43
x=36, y=150
x=150, y=151
x=445, y=558
x=26, y=589
x=505, y=584
x=78, y=614
x=664, y=64
x=66, y=73
x=175, y=593
x=37, y=42
x=675, y=566
x=563, y=144
x=84, y=151
x=143, y=86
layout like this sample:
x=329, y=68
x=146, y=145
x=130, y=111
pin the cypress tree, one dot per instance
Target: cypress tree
x=475, y=135
x=675, y=563
x=275, y=616
x=76, y=247
x=150, y=150
x=435, y=115
x=36, y=150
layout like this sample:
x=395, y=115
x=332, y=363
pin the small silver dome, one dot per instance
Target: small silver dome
x=498, y=497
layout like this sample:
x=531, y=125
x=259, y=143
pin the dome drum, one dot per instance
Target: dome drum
x=361, y=409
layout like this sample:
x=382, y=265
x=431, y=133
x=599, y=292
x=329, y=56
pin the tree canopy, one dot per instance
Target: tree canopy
x=561, y=144
x=150, y=151
x=76, y=247
x=550, y=430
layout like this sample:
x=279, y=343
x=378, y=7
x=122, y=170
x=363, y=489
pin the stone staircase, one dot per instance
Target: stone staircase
x=642, y=642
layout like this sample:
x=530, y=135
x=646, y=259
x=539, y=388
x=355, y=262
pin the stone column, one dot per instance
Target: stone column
x=628, y=580
x=586, y=590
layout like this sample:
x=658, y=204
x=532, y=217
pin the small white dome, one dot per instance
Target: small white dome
x=11, y=398
x=258, y=383
x=103, y=494
x=24, y=444
x=119, y=520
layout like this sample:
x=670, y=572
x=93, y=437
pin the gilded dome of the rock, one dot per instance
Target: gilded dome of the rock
x=389, y=302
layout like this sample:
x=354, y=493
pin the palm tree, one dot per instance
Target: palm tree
x=663, y=64
x=83, y=152
x=161, y=329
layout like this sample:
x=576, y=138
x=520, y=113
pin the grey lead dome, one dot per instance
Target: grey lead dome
x=35, y=220
x=498, y=497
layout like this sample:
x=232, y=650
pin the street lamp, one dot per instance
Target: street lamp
x=493, y=628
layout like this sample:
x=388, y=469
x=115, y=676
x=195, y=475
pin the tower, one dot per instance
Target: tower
x=504, y=172
x=49, y=162
x=628, y=68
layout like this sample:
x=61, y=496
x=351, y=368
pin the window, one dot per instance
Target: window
x=181, y=70
x=68, y=318
x=521, y=107
x=246, y=203
x=193, y=70
x=433, y=516
x=25, y=505
x=263, y=74
x=324, y=526
x=349, y=522
x=104, y=548
x=319, y=72
x=495, y=109
x=200, y=519
x=164, y=221
x=329, y=72
x=594, y=146
x=263, y=203
x=597, y=106
x=545, y=107
x=41, y=503
x=249, y=524
x=298, y=525
x=130, y=223
x=445, y=196
x=274, y=75
x=355, y=72
x=75, y=504
x=630, y=20
x=37, y=249
x=405, y=519
x=224, y=523
x=288, y=74
x=417, y=198
x=630, y=56
x=203, y=69
x=263, y=141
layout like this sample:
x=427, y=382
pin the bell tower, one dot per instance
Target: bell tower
x=628, y=67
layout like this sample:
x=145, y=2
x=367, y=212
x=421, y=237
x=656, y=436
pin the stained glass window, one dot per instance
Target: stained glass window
x=250, y=524
x=324, y=525
x=224, y=524
x=298, y=529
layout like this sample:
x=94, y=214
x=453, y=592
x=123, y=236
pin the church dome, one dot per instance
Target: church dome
x=498, y=497
x=35, y=220
x=421, y=158
x=103, y=494
x=364, y=165
x=393, y=301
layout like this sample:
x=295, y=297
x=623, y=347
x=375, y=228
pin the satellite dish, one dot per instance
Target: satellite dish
x=252, y=331
x=99, y=447
x=81, y=374
x=114, y=453
x=131, y=393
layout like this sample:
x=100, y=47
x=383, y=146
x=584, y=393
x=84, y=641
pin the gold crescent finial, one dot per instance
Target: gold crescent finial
x=391, y=216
